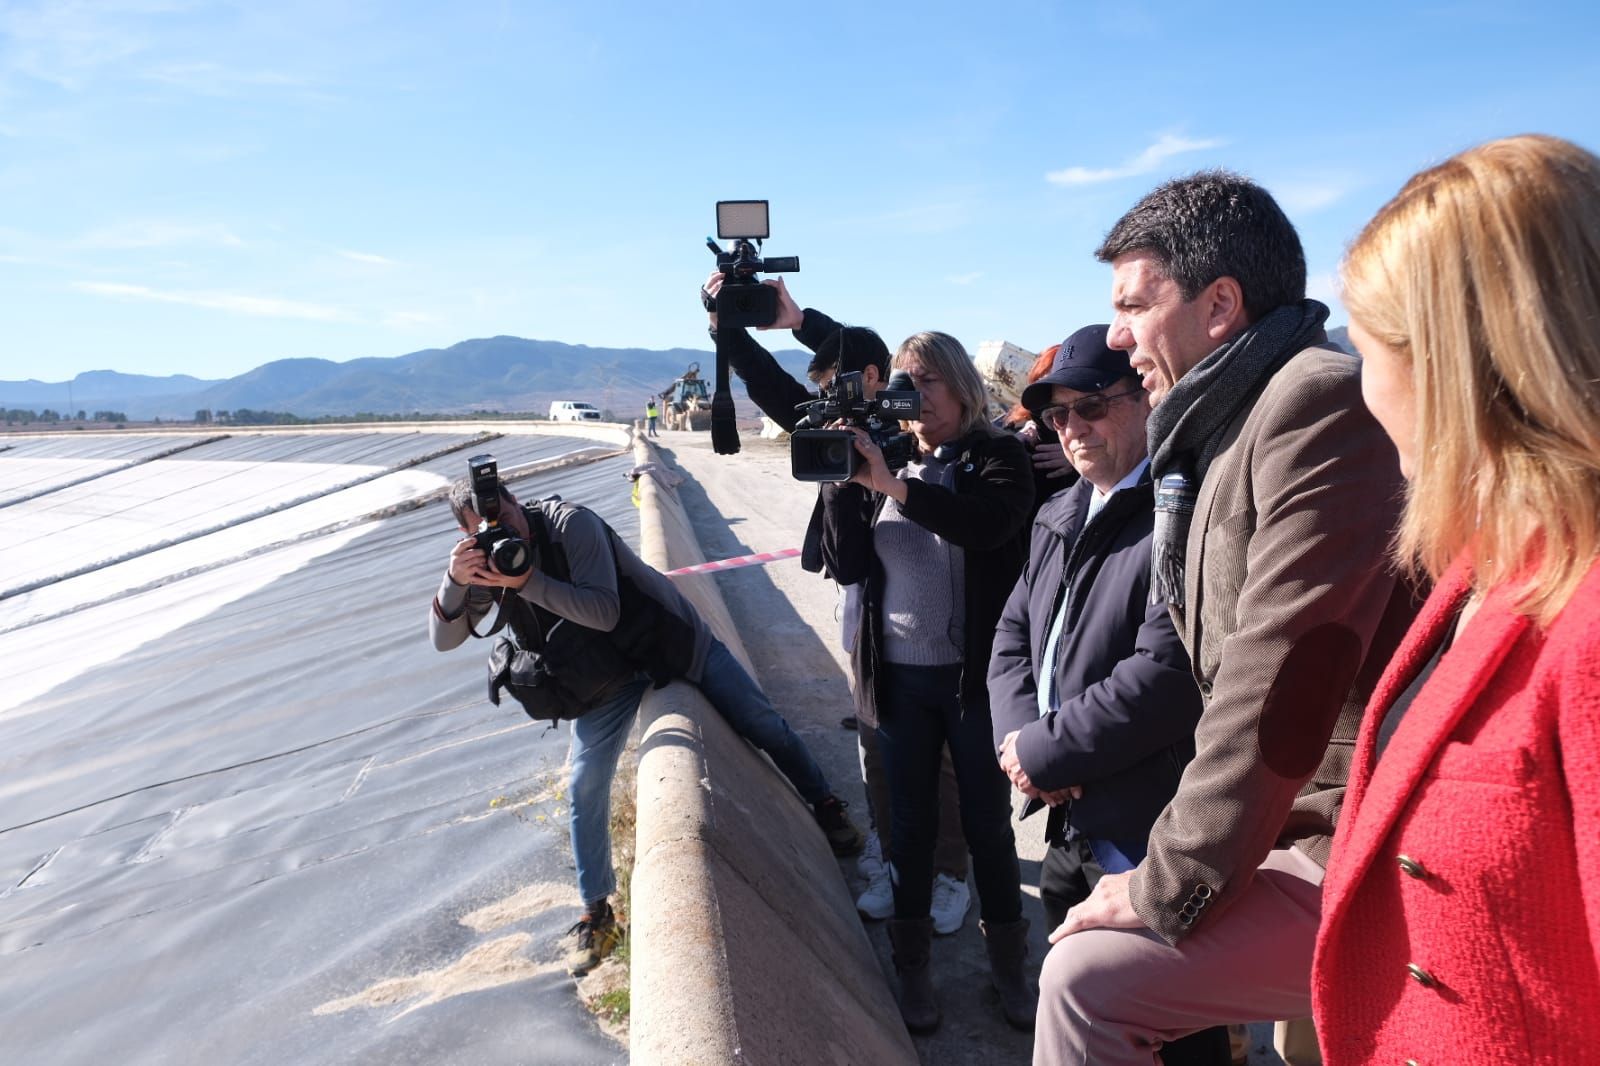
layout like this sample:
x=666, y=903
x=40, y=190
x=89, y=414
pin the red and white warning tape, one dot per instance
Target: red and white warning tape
x=758, y=559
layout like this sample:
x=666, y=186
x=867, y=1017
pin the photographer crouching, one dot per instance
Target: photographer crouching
x=588, y=626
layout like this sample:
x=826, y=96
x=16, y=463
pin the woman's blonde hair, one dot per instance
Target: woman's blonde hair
x=943, y=355
x=1484, y=275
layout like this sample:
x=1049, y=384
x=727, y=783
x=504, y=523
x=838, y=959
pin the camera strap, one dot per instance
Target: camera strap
x=724, y=430
x=499, y=618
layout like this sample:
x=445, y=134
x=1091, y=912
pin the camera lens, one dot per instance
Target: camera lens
x=510, y=557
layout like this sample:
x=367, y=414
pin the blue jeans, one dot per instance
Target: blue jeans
x=729, y=688
x=920, y=712
x=598, y=738
x=1117, y=856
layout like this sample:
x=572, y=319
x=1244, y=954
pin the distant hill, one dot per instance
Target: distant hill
x=489, y=374
x=97, y=389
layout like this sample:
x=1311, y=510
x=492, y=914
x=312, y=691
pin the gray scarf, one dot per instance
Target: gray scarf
x=1187, y=426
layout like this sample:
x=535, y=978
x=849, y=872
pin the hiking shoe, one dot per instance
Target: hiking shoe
x=951, y=901
x=593, y=938
x=842, y=834
x=877, y=902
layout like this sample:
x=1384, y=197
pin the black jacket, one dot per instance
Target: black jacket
x=1128, y=702
x=779, y=396
x=985, y=516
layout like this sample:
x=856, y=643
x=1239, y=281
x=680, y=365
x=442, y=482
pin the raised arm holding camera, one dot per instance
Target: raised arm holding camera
x=857, y=352
x=590, y=625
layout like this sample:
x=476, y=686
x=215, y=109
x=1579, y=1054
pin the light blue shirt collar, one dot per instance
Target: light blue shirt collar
x=1097, y=499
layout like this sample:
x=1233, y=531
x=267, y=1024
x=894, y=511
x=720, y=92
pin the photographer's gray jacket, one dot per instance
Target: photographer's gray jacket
x=590, y=598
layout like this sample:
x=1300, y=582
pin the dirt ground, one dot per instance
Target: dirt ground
x=788, y=619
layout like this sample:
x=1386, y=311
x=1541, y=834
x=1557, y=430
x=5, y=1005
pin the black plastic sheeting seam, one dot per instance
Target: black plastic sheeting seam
x=90, y=568
x=168, y=454
x=513, y=474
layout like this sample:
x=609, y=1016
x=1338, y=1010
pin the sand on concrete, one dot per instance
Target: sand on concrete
x=499, y=962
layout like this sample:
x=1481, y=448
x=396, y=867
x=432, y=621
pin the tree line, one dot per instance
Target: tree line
x=18, y=416
x=245, y=416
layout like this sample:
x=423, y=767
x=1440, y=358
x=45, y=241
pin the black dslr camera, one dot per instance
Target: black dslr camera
x=508, y=552
x=817, y=454
x=742, y=300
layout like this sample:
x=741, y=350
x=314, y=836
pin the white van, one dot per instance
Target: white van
x=574, y=411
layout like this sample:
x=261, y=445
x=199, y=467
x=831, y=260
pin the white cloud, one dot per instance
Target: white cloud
x=79, y=44
x=65, y=44
x=1165, y=147
x=215, y=79
x=159, y=234
x=234, y=303
x=367, y=257
x=1303, y=198
x=964, y=279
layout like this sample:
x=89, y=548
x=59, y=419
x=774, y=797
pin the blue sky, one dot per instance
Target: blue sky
x=201, y=188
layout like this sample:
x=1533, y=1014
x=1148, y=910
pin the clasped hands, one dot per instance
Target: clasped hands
x=1019, y=777
x=1109, y=906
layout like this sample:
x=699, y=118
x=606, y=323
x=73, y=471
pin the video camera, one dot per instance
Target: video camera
x=508, y=552
x=817, y=454
x=743, y=300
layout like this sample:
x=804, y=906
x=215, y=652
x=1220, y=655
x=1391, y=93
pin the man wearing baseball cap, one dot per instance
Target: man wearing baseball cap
x=1093, y=701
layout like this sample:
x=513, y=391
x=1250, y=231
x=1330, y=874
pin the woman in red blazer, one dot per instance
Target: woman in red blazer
x=1461, y=909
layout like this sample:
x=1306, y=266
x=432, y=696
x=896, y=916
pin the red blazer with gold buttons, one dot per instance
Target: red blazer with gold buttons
x=1461, y=909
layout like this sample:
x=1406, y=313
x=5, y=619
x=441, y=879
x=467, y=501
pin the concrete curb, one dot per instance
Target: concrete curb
x=746, y=943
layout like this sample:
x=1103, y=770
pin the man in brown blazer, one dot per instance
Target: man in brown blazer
x=1277, y=494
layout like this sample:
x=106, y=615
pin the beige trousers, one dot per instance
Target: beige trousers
x=1112, y=996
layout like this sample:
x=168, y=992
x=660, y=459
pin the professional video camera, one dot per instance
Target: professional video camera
x=508, y=552
x=743, y=300
x=817, y=454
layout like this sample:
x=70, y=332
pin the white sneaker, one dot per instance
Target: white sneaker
x=877, y=902
x=951, y=901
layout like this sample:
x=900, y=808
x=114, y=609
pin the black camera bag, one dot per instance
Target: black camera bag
x=562, y=677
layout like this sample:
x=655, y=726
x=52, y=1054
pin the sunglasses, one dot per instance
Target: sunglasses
x=1091, y=409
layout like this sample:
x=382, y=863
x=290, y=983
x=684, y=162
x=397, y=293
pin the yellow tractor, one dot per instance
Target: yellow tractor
x=686, y=403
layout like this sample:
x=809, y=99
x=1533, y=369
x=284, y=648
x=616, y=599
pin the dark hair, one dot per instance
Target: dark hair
x=861, y=346
x=461, y=498
x=1212, y=225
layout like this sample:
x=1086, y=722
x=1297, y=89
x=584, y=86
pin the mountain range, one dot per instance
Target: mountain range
x=488, y=374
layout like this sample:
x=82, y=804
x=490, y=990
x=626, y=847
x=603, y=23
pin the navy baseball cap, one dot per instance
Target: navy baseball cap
x=1084, y=364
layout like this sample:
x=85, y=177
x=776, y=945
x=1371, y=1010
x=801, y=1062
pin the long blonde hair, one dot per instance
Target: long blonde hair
x=945, y=356
x=1484, y=274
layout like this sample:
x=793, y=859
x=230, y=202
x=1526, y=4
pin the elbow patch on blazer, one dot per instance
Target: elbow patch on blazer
x=1304, y=701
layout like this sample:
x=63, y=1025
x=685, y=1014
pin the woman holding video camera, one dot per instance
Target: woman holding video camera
x=937, y=547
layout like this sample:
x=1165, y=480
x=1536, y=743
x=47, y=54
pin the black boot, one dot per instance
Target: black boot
x=911, y=939
x=1007, y=943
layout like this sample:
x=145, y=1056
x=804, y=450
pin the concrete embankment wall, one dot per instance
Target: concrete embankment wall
x=746, y=943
